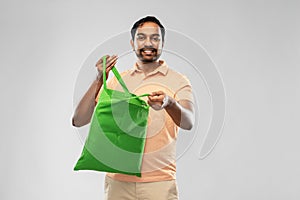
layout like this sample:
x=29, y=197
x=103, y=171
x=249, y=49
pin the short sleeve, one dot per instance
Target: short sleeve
x=184, y=92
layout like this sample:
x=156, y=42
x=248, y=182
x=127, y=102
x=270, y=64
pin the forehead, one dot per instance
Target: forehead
x=148, y=28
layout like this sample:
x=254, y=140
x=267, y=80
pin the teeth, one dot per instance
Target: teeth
x=147, y=51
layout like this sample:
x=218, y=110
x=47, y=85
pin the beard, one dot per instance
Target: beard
x=148, y=54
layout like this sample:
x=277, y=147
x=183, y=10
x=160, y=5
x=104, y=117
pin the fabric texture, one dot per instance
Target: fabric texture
x=159, y=159
x=117, y=132
x=160, y=190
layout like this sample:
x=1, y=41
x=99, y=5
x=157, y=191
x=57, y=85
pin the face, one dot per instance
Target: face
x=147, y=42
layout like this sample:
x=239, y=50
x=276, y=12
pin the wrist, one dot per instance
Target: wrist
x=168, y=102
x=164, y=104
x=99, y=76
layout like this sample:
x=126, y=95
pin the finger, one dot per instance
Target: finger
x=114, y=57
x=107, y=57
x=151, y=103
x=102, y=58
x=109, y=68
x=109, y=65
x=157, y=93
x=100, y=61
x=112, y=60
x=113, y=64
x=155, y=106
x=156, y=98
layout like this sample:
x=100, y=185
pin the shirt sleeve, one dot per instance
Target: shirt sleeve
x=185, y=91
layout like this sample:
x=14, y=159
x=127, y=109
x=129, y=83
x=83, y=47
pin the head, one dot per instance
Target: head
x=147, y=39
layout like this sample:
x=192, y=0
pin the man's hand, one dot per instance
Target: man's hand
x=182, y=112
x=85, y=108
x=158, y=100
x=110, y=62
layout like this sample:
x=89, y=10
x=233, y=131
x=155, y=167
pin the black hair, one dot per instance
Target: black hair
x=147, y=19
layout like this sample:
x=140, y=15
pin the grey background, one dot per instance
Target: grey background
x=255, y=44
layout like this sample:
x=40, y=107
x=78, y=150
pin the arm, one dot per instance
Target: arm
x=85, y=108
x=182, y=112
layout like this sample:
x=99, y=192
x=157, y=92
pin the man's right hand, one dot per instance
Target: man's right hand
x=110, y=62
x=85, y=108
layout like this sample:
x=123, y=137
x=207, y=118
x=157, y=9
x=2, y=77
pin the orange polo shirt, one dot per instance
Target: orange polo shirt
x=159, y=159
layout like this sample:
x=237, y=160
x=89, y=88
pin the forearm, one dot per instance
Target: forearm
x=85, y=108
x=183, y=117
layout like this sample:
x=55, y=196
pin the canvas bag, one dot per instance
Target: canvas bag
x=117, y=133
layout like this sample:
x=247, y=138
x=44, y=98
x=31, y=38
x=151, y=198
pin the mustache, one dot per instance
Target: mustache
x=148, y=49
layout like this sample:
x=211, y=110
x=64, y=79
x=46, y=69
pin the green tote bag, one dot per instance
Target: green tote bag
x=117, y=133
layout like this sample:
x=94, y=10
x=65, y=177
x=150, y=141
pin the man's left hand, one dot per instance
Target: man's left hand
x=158, y=100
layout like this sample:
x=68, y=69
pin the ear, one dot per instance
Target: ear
x=132, y=44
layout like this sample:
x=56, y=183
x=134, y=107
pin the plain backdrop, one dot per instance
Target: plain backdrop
x=254, y=44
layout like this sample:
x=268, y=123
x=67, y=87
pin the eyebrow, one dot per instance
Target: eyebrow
x=155, y=34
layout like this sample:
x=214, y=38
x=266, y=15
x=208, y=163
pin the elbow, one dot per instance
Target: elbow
x=79, y=120
x=187, y=120
x=76, y=123
x=187, y=125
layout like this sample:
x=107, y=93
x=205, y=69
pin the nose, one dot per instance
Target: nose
x=148, y=42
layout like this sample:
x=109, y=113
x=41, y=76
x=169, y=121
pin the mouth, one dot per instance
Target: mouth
x=148, y=51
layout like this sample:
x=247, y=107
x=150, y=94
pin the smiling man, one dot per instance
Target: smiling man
x=148, y=44
x=171, y=102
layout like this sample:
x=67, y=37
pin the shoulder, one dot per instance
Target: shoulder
x=113, y=81
x=180, y=78
x=122, y=74
x=126, y=72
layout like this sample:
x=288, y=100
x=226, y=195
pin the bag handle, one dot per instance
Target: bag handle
x=117, y=75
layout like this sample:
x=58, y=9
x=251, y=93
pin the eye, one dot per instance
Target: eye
x=155, y=39
x=141, y=37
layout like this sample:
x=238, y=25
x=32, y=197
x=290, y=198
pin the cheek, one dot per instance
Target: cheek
x=138, y=45
x=159, y=45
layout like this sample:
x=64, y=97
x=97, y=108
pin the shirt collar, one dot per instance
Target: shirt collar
x=162, y=68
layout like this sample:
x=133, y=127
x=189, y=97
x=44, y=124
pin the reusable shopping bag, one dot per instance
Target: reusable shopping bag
x=116, y=138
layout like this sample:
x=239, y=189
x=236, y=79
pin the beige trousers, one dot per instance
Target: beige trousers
x=120, y=190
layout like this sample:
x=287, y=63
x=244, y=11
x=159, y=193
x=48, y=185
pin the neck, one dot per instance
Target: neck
x=148, y=67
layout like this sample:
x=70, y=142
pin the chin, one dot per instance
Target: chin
x=148, y=60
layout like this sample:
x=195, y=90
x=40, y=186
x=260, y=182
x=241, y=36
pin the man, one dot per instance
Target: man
x=171, y=105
